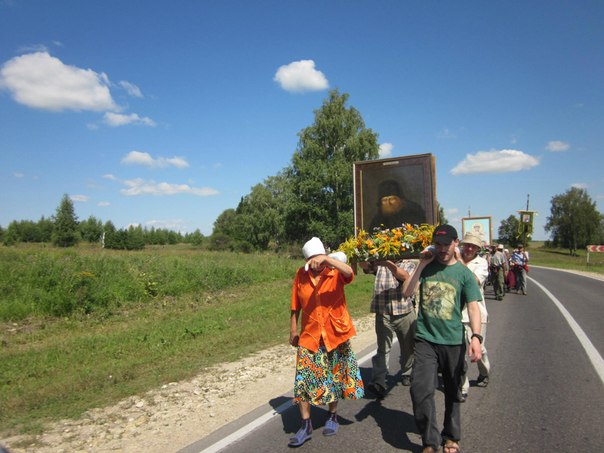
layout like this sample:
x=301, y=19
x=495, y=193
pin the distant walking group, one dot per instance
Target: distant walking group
x=435, y=307
x=508, y=272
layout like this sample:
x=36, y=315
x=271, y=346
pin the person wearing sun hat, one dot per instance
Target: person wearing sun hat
x=499, y=267
x=326, y=366
x=470, y=246
x=520, y=265
x=445, y=285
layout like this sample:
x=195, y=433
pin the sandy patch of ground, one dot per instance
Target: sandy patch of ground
x=180, y=413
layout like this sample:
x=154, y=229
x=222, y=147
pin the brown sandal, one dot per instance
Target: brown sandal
x=451, y=447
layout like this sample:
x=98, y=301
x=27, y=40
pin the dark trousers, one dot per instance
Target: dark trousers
x=498, y=283
x=429, y=359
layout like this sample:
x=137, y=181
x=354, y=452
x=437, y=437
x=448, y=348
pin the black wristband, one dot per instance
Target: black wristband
x=480, y=339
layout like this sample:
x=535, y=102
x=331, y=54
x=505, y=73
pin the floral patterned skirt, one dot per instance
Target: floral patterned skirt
x=324, y=377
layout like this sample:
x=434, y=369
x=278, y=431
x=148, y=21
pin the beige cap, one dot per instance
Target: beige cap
x=471, y=238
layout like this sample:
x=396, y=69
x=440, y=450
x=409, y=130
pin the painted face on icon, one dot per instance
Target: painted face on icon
x=391, y=204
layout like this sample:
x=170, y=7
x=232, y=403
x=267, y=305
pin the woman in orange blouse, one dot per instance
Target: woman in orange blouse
x=326, y=367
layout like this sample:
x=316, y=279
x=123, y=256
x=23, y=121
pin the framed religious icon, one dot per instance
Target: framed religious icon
x=481, y=226
x=391, y=192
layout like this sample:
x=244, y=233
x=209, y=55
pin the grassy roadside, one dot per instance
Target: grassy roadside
x=560, y=259
x=59, y=367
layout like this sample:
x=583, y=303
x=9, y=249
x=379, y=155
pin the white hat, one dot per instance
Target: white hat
x=340, y=256
x=313, y=247
x=500, y=247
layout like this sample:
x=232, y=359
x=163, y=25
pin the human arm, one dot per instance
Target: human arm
x=320, y=261
x=293, y=328
x=475, y=349
x=397, y=272
x=412, y=283
x=368, y=267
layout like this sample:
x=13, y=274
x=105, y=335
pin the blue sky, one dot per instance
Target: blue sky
x=166, y=113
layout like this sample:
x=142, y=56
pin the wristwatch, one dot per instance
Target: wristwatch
x=480, y=339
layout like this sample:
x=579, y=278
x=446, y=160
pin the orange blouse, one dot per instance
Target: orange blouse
x=323, y=304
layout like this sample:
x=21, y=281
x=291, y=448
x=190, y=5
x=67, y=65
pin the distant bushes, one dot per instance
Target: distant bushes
x=44, y=281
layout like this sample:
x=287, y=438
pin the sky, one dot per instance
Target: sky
x=165, y=113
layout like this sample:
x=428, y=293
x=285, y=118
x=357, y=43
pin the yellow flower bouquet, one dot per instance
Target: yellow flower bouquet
x=388, y=243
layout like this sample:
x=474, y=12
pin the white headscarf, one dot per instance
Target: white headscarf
x=313, y=247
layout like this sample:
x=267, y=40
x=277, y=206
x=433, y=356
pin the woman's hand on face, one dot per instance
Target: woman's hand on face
x=316, y=263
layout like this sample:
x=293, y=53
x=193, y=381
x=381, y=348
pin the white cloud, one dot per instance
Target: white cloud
x=173, y=224
x=139, y=186
x=300, y=76
x=495, y=161
x=385, y=150
x=579, y=185
x=41, y=81
x=131, y=89
x=19, y=174
x=109, y=176
x=556, y=146
x=118, y=119
x=141, y=158
x=103, y=204
x=82, y=198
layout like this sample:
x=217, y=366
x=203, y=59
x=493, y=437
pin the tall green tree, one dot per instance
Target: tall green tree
x=65, y=232
x=45, y=228
x=91, y=229
x=321, y=172
x=195, y=238
x=574, y=221
x=509, y=231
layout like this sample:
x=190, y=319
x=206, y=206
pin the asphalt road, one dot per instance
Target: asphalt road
x=546, y=391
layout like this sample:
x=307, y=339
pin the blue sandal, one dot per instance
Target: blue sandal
x=301, y=436
x=331, y=427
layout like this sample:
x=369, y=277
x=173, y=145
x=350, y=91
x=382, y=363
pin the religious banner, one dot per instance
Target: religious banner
x=480, y=226
x=390, y=193
x=526, y=222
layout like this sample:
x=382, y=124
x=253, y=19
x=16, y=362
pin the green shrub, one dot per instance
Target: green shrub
x=39, y=281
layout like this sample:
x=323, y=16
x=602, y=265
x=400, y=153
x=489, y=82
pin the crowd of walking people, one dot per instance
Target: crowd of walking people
x=435, y=306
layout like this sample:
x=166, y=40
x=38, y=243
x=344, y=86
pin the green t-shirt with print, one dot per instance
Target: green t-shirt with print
x=444, y=291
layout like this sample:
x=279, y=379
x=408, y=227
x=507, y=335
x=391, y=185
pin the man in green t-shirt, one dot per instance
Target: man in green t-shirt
x=445, y=287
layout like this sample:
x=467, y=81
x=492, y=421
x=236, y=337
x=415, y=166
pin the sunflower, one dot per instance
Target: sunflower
x=387, y=243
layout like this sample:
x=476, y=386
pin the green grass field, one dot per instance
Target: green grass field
x=85, y=327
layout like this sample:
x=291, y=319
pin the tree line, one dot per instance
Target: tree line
x=313, y=196
x=64, y=230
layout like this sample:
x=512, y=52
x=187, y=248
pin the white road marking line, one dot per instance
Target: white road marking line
x=245, y=430
x=592, y=352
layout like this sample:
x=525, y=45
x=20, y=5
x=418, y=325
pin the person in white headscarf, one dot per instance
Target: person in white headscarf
x=326, y=367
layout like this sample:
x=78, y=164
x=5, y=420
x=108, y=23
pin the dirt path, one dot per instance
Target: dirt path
x=180, y=413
